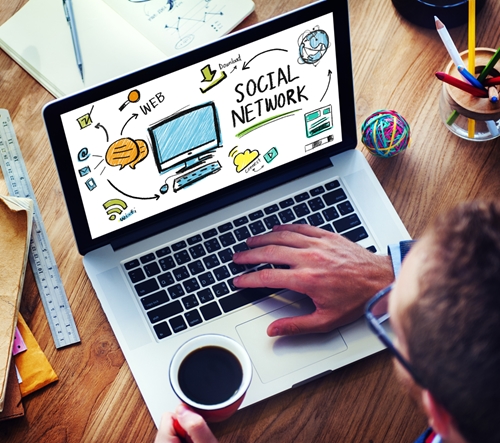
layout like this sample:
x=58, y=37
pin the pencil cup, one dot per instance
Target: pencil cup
x=461, y=111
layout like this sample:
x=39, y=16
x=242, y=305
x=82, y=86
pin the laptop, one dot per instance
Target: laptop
x=168, y=170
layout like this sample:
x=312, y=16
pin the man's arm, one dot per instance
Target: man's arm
x=338, y=275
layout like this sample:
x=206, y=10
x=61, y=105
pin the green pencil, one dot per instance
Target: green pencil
x=489, y=65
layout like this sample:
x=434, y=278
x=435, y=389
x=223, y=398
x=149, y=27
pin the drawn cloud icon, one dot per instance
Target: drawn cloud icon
x=243, y=159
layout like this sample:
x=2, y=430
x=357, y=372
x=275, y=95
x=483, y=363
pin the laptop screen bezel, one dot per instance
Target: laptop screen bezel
x=168, y=219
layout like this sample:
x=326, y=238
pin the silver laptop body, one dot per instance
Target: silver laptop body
x=163, y=166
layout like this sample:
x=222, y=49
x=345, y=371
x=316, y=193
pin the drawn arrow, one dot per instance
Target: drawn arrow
x=155, y=197
x=328, y=85
x=99, y=126
x=133, y=116
x=208, y=74
x=245, y=64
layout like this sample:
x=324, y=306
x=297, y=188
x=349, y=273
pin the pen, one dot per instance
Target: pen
x=448, y=42
x=492, y=81
x=181, y=432
x=70, y=17
x=470, y=78
x=489, y=66
x=476, y=92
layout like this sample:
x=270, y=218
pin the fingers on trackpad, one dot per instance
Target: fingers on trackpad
x=275, y=357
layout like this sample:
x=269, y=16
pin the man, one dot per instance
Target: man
x=444, y=310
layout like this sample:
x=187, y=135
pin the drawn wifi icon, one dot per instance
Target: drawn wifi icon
x=114, y=207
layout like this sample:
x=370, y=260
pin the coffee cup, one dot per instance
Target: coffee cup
x=211, y=374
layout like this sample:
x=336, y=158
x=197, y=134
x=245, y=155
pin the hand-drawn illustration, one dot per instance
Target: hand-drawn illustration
x=85, y=120
x=133, y=97
x=313, y=46
x=83, y=154
x=185, y=141
x=84, y=171
x=208, y=76
x=266, y=121
x=91, y=184
x=126, y=151
x=170, y=130
x=245, y=64
x=196, y=175
x=270, y=155
x=318, y=121
x=150, y=197
x=114, y=207
x=243, y=159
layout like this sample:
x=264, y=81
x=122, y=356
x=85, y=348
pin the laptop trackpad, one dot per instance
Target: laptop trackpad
x=275, y=357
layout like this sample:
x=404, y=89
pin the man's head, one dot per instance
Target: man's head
x=445, y=311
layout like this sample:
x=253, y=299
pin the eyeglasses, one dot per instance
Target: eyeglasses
x=377, y=314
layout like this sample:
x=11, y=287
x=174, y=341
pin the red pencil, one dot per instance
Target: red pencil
x=476, y=92
x=492, y=81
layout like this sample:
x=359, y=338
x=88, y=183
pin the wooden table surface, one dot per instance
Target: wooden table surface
x=96, y=399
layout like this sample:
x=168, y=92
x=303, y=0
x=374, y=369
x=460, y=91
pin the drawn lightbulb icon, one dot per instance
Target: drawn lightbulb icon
x=133, y=96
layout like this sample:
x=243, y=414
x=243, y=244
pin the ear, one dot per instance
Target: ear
x=439, y=418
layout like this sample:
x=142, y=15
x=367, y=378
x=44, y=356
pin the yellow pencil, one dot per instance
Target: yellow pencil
x=472, y=53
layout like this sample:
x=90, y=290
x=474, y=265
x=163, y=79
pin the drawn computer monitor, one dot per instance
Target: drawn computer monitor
x=186, y=139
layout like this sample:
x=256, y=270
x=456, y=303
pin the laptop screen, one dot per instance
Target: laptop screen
x=172, y=137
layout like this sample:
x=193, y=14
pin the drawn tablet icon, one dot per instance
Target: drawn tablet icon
x=270, y=155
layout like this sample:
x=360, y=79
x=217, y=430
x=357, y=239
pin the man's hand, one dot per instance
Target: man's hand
x=195, y=427
x=337, y=274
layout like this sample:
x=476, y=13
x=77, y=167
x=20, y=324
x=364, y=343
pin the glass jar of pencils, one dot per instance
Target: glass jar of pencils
x=472, y=113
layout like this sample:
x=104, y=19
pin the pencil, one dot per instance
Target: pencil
x=489, y=66
x=472, y=58
x=492, y=81
x=469, y=77
x=493, y=94
x=448, y=42
x=476, y=92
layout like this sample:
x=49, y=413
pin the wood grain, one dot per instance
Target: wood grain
x=96, y=399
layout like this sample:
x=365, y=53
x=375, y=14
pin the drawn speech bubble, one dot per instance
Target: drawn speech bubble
x=126, y=151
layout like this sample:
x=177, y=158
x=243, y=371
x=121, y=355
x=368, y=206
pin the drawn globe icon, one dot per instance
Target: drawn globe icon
x=313, y=46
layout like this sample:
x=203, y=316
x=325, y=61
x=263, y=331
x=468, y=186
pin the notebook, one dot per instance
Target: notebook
x=115, y=36
x=166, y=172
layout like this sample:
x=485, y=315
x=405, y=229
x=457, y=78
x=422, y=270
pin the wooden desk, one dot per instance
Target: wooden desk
x=96, y=399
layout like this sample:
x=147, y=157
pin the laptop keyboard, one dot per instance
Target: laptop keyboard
x=188, y=282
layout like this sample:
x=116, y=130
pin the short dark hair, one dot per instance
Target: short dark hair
x=453, y=327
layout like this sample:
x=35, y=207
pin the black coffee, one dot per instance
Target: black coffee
x=210, y=375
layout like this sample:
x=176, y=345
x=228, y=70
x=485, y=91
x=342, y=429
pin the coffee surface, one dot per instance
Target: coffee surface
x=210, y=375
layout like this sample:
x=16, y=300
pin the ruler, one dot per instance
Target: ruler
x=54, y=299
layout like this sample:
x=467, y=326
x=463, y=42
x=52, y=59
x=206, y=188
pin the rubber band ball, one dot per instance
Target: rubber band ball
x=385, y=133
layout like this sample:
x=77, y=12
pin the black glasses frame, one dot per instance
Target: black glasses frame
x=375, y=325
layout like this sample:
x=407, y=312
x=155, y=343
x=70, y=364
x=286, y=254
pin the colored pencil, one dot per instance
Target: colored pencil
x=469, y=77
x=448, y=42
x=492, y=81
x=453, y=81
x=493, y=94
x=492, y=127
x=472, y=58
x=489, y=66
